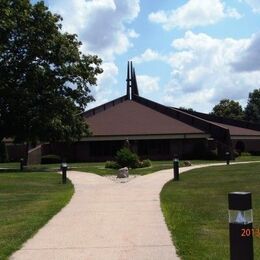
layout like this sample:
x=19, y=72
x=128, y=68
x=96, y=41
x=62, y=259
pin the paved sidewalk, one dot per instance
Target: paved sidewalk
x=107, y=220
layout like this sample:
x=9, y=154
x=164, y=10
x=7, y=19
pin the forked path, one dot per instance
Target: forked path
x=107, y=220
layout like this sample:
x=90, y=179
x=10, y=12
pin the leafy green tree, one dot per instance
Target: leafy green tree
x=44, y=78
x=187, y=109
x=229, y=109
x=252, y=110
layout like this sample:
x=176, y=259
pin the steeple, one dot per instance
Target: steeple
x=134, y=84
x=128, y=82
x=131, y=85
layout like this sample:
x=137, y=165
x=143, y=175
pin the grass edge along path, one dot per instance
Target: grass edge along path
x=196, y=209
x=99, y=167
x=27, y=202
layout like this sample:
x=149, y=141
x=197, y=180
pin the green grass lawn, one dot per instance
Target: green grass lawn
x=196, y=209
x=27, y=202
x=92, y=167
x=99, y=167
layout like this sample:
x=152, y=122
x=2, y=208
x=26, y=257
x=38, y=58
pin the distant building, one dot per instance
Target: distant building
x=155, y=131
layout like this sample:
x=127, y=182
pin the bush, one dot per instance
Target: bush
x=146, y=163
x=112, y=165
x=50, y=158
x=126, y=158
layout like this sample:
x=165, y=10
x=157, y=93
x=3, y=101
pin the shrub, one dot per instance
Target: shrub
x=146, y=163
x=112, y=165
x=126, y=158
x=50, y=158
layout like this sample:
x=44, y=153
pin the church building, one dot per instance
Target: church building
x=158, y=132
x=155, y=131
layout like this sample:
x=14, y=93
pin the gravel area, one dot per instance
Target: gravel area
x=121, y=180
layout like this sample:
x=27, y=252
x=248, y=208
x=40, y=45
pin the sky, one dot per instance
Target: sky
x=186, y=53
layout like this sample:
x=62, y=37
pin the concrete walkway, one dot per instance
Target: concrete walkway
x=107, y=220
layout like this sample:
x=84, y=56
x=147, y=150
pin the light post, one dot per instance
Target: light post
x=240, y=226
x=176, y=168
x=21, y=164
x=227, y=155
x=64, y=168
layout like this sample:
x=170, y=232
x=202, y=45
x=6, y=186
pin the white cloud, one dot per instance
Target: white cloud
x=148, y=55
x=249, y=60
x=189, y=100
x=194, y=13
x=147, y=84
x=205, y=70
x=202, y=73
x=255, y=5
x=109, y=75
x=133, y=34
x=103, y=91
x=103, y=28
x=100, y=24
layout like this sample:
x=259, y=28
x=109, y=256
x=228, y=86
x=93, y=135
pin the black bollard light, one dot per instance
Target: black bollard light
x=64, y=168
x=176, y=168
x=21, y=164
x=240, y=226
x=227, y=155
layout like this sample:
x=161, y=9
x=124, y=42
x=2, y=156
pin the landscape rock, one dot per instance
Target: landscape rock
x=187, y=163
x=123, y=173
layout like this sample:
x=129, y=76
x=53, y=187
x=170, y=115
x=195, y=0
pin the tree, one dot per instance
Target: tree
x=44, y=78
x=252, y=110
x=185, y=109
x=229, y=109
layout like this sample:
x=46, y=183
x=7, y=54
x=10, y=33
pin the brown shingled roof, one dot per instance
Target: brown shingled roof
x=235, y=130
x=236, y=127
x=132, y=115
x=132, y=118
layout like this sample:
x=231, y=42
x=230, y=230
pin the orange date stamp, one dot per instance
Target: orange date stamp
x=248, y=232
